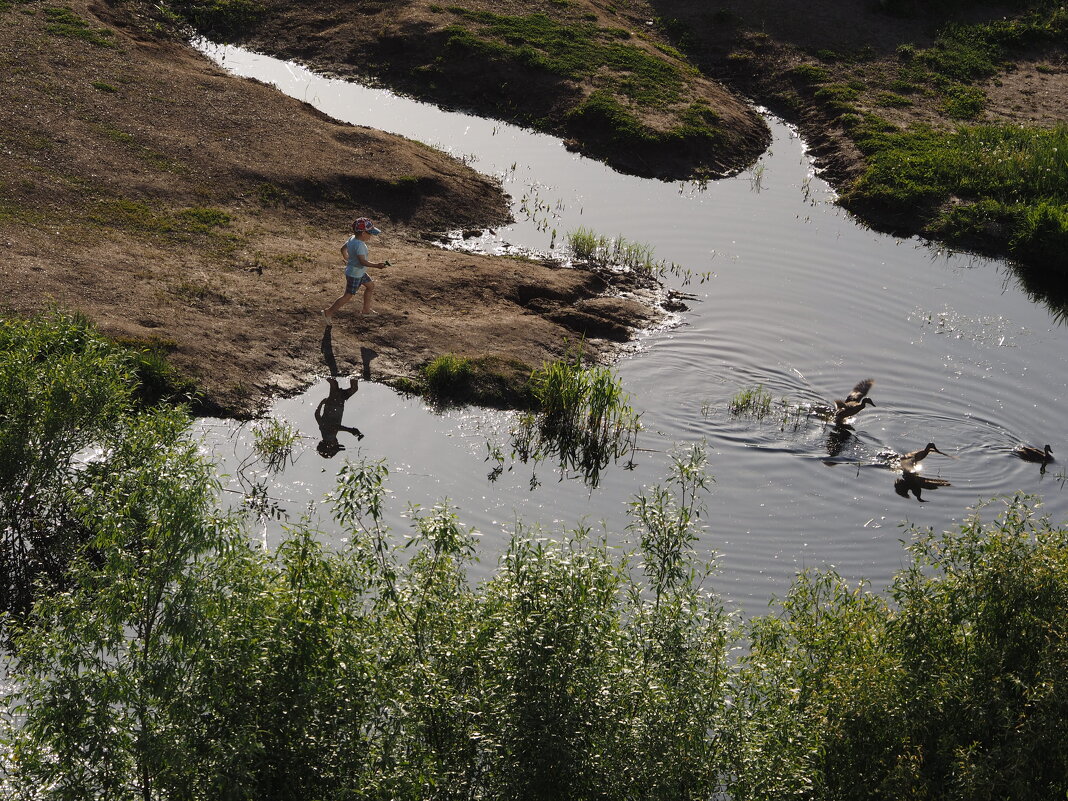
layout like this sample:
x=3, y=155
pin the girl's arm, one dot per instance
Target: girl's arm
x=366, y=263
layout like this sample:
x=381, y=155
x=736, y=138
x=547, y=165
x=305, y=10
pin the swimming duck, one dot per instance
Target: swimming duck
x=1030, y=453
x=910, y=462
x=854, y=402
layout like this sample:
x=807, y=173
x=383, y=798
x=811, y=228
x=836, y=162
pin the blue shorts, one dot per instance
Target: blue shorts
x=352, y=285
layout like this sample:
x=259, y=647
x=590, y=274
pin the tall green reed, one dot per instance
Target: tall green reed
x=584, y=418
x=601, y=251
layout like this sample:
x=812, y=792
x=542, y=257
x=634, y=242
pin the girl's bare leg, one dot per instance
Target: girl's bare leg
x=368, y=293
x=336, y=306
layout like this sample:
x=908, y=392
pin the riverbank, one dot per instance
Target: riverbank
x=199, y=216
x=880, y=90
x=596, y=75
x=943, y=120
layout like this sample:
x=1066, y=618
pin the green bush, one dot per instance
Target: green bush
x=449, y=375
x=63, y=389
x=186, y=664
x=951, y=688
x=68, y=397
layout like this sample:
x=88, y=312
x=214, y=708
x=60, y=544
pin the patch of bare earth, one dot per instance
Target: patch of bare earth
x=175, y=204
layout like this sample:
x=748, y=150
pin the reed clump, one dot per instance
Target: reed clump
x=584, y=419
x=597, y=250
x=752, y=402
x=273, y=441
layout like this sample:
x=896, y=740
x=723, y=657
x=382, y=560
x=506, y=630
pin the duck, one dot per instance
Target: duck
x=910, y=462
x=854, y=402
x=1029, y=453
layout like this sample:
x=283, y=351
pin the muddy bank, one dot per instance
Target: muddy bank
x=593, y=74
x=202, y=215
x=608, y=79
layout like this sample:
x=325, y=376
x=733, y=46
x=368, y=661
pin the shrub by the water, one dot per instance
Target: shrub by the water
x=67, y=396
x=448, y=375
x=951, y=687
x=169, y=657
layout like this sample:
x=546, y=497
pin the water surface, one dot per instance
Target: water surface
x=799, y=298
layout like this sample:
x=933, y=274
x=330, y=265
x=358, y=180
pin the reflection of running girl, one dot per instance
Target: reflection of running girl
x=328, y=415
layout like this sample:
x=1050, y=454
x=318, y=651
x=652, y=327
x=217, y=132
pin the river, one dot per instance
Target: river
x=791, y=293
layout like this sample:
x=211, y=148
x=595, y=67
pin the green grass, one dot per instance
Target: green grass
x=138, y=216
x=219, y=18
x=810, y=73
x=892, y=100
x=601, y=251
x=752, y=402
x=62, y=21
x=836, y=92
x=963, y=102
x=602, y=114
x=449, y=376
x=963, y=55
x=572, y=50
x=147, y=154
x=200, y=220
x=486, y=380
x=15, y=211
x=1011, y=184
x=270, y=195
x=837, y=98
x=699, y=121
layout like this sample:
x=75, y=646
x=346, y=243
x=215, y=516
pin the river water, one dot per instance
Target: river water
x=790, y=293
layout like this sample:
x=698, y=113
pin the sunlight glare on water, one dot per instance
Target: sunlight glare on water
x=798, y=298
